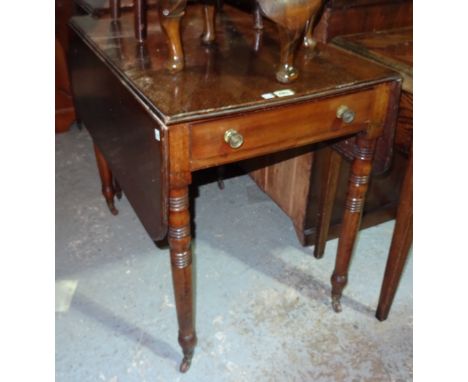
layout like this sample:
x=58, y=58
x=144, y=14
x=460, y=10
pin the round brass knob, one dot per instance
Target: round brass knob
x=345, y=113
x=233, y=138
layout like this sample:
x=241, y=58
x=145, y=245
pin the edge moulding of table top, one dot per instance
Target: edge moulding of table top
x=155, y=128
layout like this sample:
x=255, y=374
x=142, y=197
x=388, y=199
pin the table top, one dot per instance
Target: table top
x=393, y=48
x=231, y=76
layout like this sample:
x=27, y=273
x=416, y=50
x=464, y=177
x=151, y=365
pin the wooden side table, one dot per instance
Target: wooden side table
x=155, y=128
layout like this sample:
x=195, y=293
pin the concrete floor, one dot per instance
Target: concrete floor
x=262, y=300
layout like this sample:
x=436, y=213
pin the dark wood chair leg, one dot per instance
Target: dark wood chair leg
x=106, y=180
x=209, y=16
x=327, y=198
x=181, y=265
x=118, y=189
x=115, y=9
x=401, y=243
x=140, y=22
x=355, y=198
x=220, y=171
x=257, y=16
x=308, y=40
x=172, y=13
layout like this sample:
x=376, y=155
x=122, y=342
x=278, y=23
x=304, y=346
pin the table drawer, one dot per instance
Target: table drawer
x=279, y=129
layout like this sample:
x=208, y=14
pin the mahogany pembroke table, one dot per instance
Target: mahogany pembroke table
x=154, y=128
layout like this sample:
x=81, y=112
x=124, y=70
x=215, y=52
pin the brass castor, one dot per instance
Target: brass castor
x=186, y=362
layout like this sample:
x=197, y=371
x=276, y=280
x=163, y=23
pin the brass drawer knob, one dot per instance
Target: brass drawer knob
x=233, y=138
x=345, y=113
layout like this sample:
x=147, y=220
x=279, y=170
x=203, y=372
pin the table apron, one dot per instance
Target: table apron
x=283, y=128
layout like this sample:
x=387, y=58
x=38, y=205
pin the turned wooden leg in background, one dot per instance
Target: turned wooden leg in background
x=115, y=9
x=140, y=20
x=172, y=13
x=257, y=16
x=401, y=243
x=355, y=198
x=209, y=34
x=118, y=189
x=220, y=171
x=181, y=265
x=106, y=180
x=327, y=198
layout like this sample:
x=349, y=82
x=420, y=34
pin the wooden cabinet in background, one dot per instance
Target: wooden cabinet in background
x=296, y=184
x=64, y=108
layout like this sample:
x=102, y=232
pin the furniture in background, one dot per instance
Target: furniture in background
x=154, y=128
x=394, y=49
x=64, y=108
x=295, y=183
x=310, y=187
x=401, y=243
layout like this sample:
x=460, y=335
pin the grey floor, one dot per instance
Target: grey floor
x=262, y=300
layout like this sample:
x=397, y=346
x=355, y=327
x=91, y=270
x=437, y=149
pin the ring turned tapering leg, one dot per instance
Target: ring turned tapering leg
x=355, y=198
x=106, y=180
x=181, y=265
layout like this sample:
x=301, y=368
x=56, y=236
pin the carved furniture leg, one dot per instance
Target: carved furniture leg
x=355, y=198
x=289, y=40
x=140, y=20
x=181, y=265
x=172, y=13
x=308, y=40
x=106, y=180
x=257, y=16
x=327, y=198
x=209, y=34
x=401, y=243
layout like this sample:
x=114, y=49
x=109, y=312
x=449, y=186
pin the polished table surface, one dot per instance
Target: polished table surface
x=230, y=77
x=392, y=48
x=155, y=128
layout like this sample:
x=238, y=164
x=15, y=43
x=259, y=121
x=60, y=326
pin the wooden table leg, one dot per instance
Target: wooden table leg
x=106, y=180
x=355, y=198
x=401, y=243
x=179, y=239
x=181, y=265
x=327, y=199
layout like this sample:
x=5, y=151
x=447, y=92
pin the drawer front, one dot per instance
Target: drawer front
x=269, y=131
